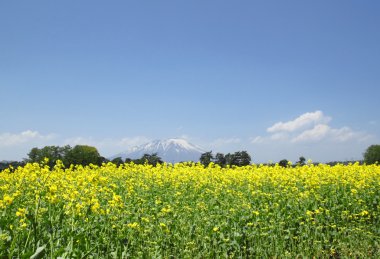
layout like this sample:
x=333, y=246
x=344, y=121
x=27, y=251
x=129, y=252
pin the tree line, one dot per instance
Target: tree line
x=85, y=155
x=239, y=158
x=82, y=155
x=77, y=155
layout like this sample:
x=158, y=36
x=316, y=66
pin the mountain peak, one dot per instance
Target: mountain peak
x=170, y=150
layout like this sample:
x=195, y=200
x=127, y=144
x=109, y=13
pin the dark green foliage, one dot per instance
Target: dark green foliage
x=284, y=163
x=117, y=161
x=128, y=160
x=230, y=159
x=79, y=155
x=220, y=159
x=347, y=162
x=10, y=164
x=151, y=159
x=53, y=153
x=301, y=161
x=206, y=158
x=239, y=158
x=372, y=154
x=83, y=155
x=103, y=160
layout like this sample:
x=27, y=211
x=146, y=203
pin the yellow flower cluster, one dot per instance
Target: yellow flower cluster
x=240, y=208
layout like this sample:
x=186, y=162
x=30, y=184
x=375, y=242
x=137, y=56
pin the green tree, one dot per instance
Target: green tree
x=53, y=153
x=128, y=160
x=152, y=159
x=230, y=159
x=284, y=163
x=83, y=155
x=239, y=158
x=138, y=161
x=118, y=161
x=242, y=158
x=10, y=164
x=103, y=160
x=206, y=158
x=220, y=159
x=301, y=161
x=372, y=154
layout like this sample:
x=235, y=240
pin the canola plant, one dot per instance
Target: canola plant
x=188, y=211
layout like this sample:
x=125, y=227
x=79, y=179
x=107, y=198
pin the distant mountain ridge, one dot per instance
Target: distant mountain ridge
x=170, y=150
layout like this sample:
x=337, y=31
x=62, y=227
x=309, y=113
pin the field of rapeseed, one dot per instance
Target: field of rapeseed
x=188, y=211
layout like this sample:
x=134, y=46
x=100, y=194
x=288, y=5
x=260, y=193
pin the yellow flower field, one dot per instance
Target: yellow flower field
x=188, y=211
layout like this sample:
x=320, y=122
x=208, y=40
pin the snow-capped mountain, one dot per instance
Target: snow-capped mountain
x=170, y=150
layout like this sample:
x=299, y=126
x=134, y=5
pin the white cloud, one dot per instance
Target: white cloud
x=315, y=134
x=305, y=120
x=325, y=132
x=14, y=146
x=311, y=135
x=312, y=127
x=28, y=136
x=257, y=140
x=344, y=134
x=78, y=141
x=279, y=136
x=107, y=142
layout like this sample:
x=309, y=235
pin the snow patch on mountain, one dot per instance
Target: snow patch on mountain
x=170, y=150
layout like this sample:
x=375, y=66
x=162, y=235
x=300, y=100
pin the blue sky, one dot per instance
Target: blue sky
x=221, y=74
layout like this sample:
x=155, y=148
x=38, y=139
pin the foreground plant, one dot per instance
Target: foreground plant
x=186, y=210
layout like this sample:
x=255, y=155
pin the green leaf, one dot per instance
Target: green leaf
x=39, y=250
